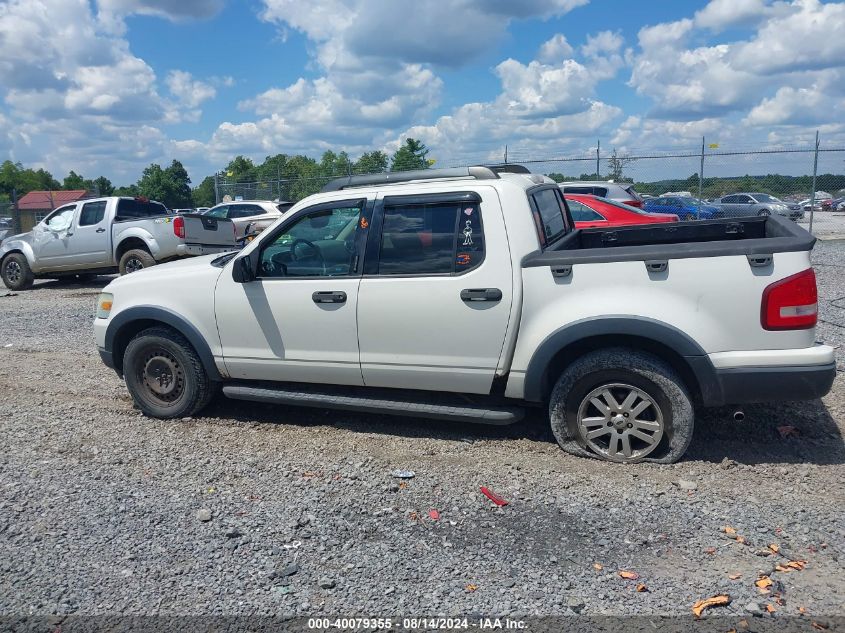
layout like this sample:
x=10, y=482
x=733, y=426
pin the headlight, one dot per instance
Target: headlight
x=104, y=304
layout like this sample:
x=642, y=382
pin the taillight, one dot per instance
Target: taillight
x=791, y=303
x=179, y=227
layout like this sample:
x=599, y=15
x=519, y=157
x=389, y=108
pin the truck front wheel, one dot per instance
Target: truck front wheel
x=164, y=375
x=16, y=273
x=622, y=405
x=134, y=260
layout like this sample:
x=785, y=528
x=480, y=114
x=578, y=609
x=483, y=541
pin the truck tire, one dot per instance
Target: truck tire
x=134, y=260
x=164, y=375
x=16, y=273
x=622, y=405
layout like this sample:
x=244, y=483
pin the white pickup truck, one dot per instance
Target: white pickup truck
x=467, y=294
x=107, y=235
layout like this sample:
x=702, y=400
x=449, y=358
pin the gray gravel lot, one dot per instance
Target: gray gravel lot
x=255, y=509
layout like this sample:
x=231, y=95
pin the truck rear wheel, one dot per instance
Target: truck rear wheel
x=164, y=375
x=622, y=405
x=16, y=273
x=134, y=260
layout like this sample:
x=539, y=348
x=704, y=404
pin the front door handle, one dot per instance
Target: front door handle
x=481, y=294
x=330, y=296
x=100, y=230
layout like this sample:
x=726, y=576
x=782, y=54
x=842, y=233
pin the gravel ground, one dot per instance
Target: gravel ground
x=254, y=509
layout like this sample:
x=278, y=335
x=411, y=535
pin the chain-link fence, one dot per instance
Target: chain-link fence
x=7, y=220
x=805, y=183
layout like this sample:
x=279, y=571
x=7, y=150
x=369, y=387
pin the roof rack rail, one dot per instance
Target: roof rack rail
x=509, y=168
x=348, y=182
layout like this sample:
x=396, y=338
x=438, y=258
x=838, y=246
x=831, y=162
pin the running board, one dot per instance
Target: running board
x=462, y=412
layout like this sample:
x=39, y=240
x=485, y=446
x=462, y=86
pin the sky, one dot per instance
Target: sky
x=106, y=87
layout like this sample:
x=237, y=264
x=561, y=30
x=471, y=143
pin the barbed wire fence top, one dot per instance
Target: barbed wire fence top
x=710, y=171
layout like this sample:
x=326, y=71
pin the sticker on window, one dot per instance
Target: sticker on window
x=468, y=233
x=463, y=259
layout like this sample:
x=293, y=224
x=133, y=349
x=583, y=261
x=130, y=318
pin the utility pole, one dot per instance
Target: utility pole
x=17, y=219
x=815, y=171
x=506, y=154
x=598, y=151
x=700, y=182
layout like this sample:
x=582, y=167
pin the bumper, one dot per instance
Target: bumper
x=107, y=358
x=766, y=375
x=744, y=385
x=192, y=250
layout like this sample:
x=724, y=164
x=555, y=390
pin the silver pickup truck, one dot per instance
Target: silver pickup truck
x=107, y=235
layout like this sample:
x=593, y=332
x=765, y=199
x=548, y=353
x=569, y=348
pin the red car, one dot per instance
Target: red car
x=592, y=211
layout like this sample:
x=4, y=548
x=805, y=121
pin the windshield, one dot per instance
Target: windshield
x=764, y=197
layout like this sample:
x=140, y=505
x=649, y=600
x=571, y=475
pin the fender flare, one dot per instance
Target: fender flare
x=125, y=318
x=23, y=247
x=652, y=330
x=140, y=234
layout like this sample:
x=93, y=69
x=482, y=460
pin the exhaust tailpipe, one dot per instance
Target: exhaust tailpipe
x=739, y=415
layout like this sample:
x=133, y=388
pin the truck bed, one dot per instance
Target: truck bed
x=709, y=238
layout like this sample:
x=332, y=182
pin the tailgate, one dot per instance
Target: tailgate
x=205, y=230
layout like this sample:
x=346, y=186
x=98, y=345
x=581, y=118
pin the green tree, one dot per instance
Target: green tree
x=170, y=186
x=13, y=176
x=204, y=195
x=73, y=181
x=557, y=177
x=181, y=195
x=102, y=186
x=371, y=163
x=333, y=165
x=241, y=169
x=412, y=155
x=130, y=191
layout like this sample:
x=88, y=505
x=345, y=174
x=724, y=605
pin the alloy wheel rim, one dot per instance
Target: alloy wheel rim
x=620, y=422
x=134, y=265
x=13, y=271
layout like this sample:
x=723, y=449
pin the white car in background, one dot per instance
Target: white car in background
x=255, y=214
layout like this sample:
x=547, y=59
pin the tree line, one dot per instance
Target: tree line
x=171, y=185
x=293, y=177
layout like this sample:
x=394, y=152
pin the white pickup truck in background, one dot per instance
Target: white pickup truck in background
x=467, y=294
x=107, y=235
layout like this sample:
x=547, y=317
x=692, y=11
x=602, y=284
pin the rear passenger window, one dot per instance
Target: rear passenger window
x=582, y=213
x=430, y=239
x=92, y=213
x=549, y=214
x=128, y=209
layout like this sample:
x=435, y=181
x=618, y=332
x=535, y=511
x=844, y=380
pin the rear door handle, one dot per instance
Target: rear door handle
x=329, y=296
x=481, y=294
x=100, y=230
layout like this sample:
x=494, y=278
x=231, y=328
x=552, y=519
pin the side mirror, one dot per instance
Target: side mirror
x=242, y=270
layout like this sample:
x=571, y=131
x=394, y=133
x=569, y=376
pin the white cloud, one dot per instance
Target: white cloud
x=554, y=50
x=187, y=90
x=111, y=13
x=802, y=39
x=721, y=14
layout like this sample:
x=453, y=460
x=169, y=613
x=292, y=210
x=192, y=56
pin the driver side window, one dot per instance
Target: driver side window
x=60, y=220
x=322, y=243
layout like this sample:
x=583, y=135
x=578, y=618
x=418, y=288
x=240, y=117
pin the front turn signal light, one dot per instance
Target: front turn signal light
x=104, y=304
